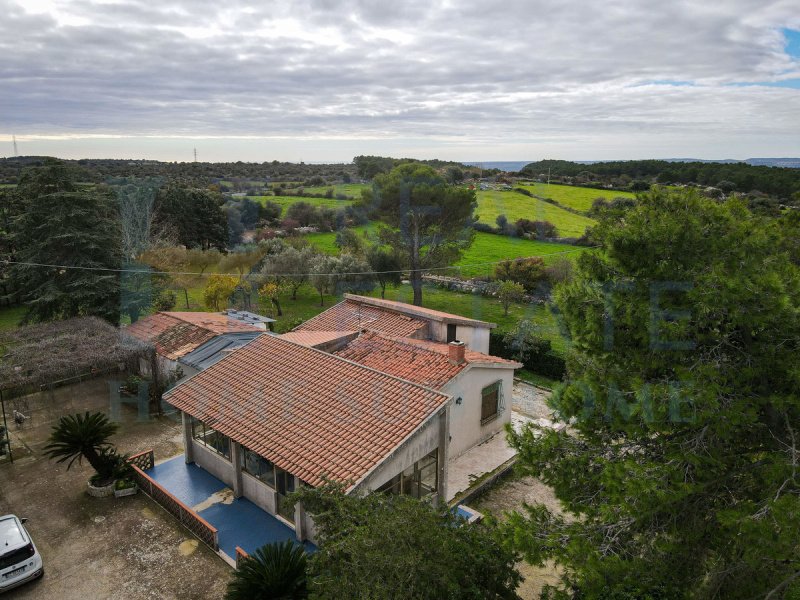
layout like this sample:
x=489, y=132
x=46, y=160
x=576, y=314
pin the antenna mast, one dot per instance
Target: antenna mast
x=14, y=141
x=195, y=155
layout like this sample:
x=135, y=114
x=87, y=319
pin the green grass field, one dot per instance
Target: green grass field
x=577, y=198
x=489, y=248
x=516, y=206
x=286, y=201
x=486, y=248
x=348, y=189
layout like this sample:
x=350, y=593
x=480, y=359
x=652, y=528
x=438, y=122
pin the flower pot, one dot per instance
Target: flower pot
x=126, y=491
x=100, y=491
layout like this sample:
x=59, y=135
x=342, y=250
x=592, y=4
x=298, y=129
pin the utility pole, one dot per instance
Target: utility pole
x=14, y=141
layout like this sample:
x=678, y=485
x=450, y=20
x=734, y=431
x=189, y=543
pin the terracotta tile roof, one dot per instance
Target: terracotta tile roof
x=418, y=311
x=314, y=338
x=352, y=315
x=214, y=322
x=178, y=333
x=471, y=356
x=311, y=413
x=423, y=362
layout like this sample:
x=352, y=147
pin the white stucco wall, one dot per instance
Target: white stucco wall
x=478, y=338
x=474, y=338
x=465, y=419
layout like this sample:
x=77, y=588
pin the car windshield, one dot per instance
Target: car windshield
x=16, y=556
x=11, y=535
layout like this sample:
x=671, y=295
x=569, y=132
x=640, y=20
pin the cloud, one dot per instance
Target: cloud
x=468, y=74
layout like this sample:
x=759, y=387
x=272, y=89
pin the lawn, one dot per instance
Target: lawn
x=514, y=206
x=577, y=198
x=326, y=242
x=10, y=316
x=348, y=189
x=486, y=248
x=286, y=201
x=490, y=248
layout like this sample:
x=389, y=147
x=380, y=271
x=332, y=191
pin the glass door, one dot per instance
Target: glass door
x=284, y=485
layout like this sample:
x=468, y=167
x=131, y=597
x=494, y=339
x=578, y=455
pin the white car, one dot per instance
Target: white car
x=19, y=560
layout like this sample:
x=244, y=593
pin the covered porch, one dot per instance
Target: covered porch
x=238, y=521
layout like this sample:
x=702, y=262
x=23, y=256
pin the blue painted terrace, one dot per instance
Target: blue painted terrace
x=239, y=522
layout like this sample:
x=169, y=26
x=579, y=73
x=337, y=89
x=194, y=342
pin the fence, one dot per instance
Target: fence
x=240, y=556
x=196, y=524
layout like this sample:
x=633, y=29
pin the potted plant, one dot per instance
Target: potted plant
x=125, y=487
x=124, y=484
x=76, y=437
x=131, y=386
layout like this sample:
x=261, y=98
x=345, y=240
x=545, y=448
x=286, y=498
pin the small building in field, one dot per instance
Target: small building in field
x=176, y=334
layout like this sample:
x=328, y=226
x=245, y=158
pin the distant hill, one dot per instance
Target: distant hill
x=622, y=174
x=517, y=165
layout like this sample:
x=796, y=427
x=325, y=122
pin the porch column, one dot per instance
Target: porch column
x=299, y=522
x=236, y=461
x=442, y=454
x=186, y=424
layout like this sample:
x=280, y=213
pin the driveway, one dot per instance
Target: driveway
x=103, y=548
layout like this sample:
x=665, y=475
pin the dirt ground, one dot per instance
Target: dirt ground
x=101, y=547
x=509, y=493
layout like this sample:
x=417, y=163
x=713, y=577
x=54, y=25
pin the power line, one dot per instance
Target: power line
x=150, y=272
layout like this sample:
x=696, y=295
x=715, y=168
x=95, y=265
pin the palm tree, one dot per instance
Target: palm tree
x=273, y=572
x=84, y=436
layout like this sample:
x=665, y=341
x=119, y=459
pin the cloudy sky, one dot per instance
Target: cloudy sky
x=324, y=80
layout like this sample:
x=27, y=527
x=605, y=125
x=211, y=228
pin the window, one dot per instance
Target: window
x=284, y=484
x=419, y=480
x=211, y=439
x=451, y=333
x=258, y=466
x=490, y=402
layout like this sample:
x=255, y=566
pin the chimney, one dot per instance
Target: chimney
x=456, y=352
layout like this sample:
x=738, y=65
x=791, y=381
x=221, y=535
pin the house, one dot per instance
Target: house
x=176, y=334
x=479, y=384
x=356, y=313
x=369, y=393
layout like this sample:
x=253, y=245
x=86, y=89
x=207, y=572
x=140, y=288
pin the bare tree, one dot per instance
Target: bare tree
x=136, y=199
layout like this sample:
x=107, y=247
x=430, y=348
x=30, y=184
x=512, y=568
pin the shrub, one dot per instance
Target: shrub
x=165, y=300
x=532, y=350
x=527, y=272
x=483, y=227
x=509, y=292
x=560, y=270
x=537, y=229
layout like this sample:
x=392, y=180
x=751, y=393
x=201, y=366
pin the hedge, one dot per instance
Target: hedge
x=548, y=364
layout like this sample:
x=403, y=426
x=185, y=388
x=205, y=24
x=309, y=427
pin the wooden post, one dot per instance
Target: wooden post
x=5, y=425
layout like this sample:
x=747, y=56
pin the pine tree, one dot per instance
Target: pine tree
x=680, y=471
x=73, y=230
